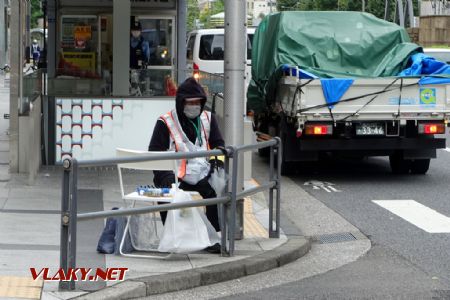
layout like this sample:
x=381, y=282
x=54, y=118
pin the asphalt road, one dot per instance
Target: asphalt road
x=361, y=182
x=405, y=262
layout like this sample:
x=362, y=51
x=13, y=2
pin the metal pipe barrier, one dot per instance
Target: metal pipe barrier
x=226, y=202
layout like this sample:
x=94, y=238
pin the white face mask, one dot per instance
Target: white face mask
x=135, y=33
x=192, y=111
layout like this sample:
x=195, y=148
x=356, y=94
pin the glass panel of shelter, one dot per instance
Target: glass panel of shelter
x=150, y=77
x=85, y=55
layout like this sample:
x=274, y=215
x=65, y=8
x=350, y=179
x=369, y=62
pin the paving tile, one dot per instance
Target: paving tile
x=247, y=244
x=4, y=146
x=2, y=201
x=35, y=229
x=4, y=173
x=269, y=244
x=34, y=192
x=19, y=262
x=4, y=157
x=20, y=287
x=33, y=203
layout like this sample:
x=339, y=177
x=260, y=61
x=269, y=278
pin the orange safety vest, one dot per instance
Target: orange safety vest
x=179, y=142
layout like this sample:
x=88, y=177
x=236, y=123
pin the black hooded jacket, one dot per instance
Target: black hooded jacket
x=160, y=140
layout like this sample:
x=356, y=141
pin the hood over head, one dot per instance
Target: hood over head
x=190, y=88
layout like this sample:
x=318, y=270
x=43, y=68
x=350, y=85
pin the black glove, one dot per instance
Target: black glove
x=216, y=163
x=166, y=180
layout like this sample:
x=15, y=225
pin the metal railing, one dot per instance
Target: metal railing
x=226, y=202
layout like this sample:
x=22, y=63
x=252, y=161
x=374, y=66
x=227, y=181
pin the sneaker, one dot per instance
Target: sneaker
x=213, y=249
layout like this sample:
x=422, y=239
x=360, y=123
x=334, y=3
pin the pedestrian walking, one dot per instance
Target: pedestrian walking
x=36, y=52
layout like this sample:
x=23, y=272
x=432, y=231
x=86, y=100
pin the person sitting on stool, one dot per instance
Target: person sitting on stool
x=189, y=128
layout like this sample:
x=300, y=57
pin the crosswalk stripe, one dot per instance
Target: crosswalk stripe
x=333, y=189
x=326, y=189
x=417, y=214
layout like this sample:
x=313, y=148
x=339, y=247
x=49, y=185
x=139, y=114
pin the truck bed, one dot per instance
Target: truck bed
x=366, y=99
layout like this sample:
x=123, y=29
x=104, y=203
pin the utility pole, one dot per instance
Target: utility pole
x=234, y=89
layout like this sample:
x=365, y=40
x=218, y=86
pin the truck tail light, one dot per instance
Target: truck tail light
x=431, y=128
x=196, y=72
x=318, y=129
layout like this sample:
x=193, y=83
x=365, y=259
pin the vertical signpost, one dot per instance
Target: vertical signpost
x=234, y=90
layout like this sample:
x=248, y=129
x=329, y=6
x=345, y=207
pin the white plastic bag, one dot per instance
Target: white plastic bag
x=218, y=181
x=184, y=229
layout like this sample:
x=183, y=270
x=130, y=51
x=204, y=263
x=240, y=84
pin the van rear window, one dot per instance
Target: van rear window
x=190, y=47
x=211, y=47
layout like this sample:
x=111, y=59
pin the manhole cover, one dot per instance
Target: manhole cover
x=334, y=238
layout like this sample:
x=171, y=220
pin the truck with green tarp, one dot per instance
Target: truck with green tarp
x=350, y=84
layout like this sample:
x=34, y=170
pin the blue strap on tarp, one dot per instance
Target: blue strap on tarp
x=334, y=88
x=422, y=64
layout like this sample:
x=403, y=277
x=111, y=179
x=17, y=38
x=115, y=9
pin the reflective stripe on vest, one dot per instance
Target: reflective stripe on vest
x=180, y=141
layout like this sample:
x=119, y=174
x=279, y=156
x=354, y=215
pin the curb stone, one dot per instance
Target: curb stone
x=293, y=249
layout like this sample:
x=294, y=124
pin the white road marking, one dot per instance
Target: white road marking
x=446, y=149
x=326, y=186
x=333, y=189
x=326, y=189
x=419, y=215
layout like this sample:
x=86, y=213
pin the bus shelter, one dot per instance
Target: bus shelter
x=104, y=87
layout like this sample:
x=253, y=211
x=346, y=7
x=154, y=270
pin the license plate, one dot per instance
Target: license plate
x=370, y=129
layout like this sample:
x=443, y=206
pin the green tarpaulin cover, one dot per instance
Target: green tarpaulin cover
x=326, y=44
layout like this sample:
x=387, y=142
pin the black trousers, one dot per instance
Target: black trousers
x=206, y=191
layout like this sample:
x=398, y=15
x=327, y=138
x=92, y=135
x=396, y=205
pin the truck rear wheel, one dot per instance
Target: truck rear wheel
x=420, y=166
x=399, y=165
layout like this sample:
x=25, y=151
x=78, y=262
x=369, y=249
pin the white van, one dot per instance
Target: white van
x=441, y=54
x=205, y=50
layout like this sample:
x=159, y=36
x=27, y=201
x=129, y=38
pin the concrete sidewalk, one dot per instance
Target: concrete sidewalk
x=30, y=234
x=31, y=225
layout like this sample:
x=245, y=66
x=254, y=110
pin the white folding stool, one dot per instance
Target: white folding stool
x=160, y=165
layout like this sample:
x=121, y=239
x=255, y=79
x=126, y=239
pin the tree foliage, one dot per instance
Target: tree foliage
x=375, y=7
x=193, y=14
x=36, y=12
x=214, y=7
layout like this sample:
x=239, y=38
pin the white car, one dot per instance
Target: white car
x=441, y=54
x=205, y=50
